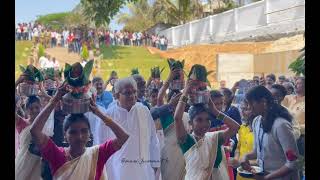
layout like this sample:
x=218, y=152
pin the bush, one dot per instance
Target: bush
x=84, y=52
x=41, y=51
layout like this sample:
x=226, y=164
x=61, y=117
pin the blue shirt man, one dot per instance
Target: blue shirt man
x=104, y=98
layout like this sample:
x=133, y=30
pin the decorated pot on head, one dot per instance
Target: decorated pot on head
x=199, y=94
x=77, y=77
x=51, y=77
x=156, y=82
x=178, y=81
x=30, y=86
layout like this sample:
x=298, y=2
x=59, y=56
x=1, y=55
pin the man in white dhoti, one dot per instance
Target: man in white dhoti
x=139, y=157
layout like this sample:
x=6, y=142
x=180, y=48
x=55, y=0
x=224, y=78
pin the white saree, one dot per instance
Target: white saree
x=172, y=160
x=27, y=165
x=200, y=159
x=82, y=168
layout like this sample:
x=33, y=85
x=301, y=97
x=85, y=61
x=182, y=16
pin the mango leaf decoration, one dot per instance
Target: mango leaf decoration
x=87, y=71
x=175, y=64
x=134, y=71
x=76, y=75
x=49, y=73
x=32, y=73
x=155, y=72
x=60, y=72
x=23, y=69
x=200, y=73
x=114, y=73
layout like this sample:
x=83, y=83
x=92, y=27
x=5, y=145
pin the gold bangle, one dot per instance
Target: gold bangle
x=184, y=99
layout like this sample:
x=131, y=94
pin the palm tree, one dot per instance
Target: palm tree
x=178, y=11
x=139, y=18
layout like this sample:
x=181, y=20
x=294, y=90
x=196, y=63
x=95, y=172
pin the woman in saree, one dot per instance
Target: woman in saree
x=203, y=150
x=27, y=165
x=172, y=160
x=76, y=162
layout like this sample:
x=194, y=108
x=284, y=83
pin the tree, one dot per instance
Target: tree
x=139, y=18
x=178, y=11
x=298, y=66
x=59, y=20
x=101, y=11
x=41, y=50
x=54, y=20
x=84, y=52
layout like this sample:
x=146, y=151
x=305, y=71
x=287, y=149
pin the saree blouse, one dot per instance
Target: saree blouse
x=190, y=141
x=56, y=156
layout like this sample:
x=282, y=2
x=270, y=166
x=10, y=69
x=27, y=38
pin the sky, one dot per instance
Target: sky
x=28, y=10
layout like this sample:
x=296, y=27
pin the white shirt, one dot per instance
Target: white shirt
x=162, y=40
x=53, y=34
x=56, y=65
x=49, y=64
x=94, y=122
x=118, y=167
x=43, y=61
x=111, y=35
x=35, y=32
x=83, y=63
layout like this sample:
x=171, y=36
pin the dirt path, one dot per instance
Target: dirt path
x=62, y=55
x=206, y=54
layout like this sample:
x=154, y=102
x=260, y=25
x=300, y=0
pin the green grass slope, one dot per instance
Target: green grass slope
x=22, y=50
x=123, y=59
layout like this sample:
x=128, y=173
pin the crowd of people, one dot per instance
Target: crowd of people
x=75, y=38
x=146, y=129
x=24, y=31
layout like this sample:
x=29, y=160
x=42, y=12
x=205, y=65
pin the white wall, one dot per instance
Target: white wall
x=266, y=17
x=226, y=69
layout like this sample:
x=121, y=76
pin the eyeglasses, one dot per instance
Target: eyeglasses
x=128, y=93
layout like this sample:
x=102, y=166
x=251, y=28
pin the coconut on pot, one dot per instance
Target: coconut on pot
x=77, y=77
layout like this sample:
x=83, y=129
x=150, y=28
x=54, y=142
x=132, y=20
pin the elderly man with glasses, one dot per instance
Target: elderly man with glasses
x=139, y=157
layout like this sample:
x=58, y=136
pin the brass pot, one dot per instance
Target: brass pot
x=26, y=89
x=176, y=84
x=74, y=105
x=199, y=97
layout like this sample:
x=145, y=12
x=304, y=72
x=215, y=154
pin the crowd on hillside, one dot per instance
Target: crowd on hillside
x=148, y=129
x=74, y=38
x=24, y=31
